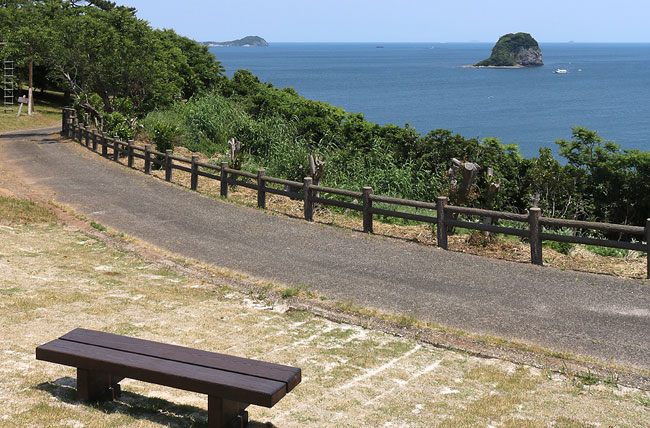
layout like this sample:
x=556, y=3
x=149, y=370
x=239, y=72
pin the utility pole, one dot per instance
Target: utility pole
x=30, y=98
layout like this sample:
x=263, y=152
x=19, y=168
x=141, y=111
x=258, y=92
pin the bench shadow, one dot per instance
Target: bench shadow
x=138, y=406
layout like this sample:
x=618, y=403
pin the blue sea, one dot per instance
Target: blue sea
x=606, y=87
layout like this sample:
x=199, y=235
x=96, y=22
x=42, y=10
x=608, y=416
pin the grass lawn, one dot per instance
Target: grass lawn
x=47, y=112
x=54, y=277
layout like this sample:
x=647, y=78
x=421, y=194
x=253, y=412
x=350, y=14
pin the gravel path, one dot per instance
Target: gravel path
x=592, y=315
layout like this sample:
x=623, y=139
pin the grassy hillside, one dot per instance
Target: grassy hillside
x=47, y=112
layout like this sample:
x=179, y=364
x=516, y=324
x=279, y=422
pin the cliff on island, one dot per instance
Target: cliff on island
x=248, y=41
x=514, y=50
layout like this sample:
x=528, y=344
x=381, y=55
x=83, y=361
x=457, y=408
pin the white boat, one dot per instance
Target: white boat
x=560, y=71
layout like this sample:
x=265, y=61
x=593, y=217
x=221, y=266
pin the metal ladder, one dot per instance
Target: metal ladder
x=8, y=85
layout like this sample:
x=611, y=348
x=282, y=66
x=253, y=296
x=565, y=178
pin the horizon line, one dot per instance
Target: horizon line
x=439, y=42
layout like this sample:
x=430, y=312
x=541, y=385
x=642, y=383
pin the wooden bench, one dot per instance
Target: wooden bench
x=231, y=383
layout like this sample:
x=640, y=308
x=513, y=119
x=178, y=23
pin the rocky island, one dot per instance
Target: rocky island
x=248, y=41
x=514, y=50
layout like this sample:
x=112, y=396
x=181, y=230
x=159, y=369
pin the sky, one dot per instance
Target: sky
x=400, y=20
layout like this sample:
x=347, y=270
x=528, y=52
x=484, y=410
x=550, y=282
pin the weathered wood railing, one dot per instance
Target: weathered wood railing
x=446, y=216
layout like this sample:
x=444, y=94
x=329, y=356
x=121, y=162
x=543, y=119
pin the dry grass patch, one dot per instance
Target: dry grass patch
x=55, y=278
x=22, y=211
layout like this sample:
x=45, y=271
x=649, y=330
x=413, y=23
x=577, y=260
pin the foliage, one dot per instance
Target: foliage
x=606, y=251
x=192, y=62
x=547, y=179
x=210, y=121
x=164, y=134
x=314, y=120
x=96, y=47
x=98, y=226
x=613, y=182
x=116, y=125
x=560, y=247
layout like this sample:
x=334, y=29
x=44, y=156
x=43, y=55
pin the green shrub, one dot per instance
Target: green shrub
x=164, y=134
x=606, y=251
x=560, y=247
x=288, y=158
x=210, y=122
x=116, y=125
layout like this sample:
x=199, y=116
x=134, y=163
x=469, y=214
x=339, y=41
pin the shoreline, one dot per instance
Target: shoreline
x=494, y=66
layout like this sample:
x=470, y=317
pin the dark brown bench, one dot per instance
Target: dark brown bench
x=231, y=383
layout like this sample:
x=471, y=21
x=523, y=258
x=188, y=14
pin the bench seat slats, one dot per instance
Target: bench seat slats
x=211, y=381
x=291, y=376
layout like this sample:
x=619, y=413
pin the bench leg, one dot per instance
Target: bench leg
x=93, y=385
x=226, y=414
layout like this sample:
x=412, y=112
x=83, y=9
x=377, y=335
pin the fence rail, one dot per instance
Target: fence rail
x=441, y=214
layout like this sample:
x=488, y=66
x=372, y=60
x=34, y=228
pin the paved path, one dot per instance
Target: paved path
x=586, y=314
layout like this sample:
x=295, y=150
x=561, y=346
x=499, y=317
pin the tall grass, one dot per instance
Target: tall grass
x=274, y=143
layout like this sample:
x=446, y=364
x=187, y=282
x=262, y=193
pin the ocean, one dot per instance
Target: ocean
x=606, y=87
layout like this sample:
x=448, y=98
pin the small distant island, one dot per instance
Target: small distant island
x=514, y=50
x=248, y=41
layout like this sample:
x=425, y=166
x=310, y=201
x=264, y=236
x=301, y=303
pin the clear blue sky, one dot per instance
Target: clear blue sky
x=401, y=20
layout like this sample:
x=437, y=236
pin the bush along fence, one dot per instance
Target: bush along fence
x=442, y=215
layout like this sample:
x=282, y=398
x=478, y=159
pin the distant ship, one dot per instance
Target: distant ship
x=560, y=71
x=379, y=47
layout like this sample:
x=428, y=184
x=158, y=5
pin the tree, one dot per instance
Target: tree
x=194, y=63
x=592, y=161
x=553, y=185
x=99, y=48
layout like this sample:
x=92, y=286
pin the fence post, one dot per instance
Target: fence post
x=441, y=227
x=69, y=128
x=647, y=244
x=87, y=135
x=64, y=121
x=261, y=194
x=147, y=159
x=168, y=165
x=309, y=204
x=194, y=182
x=224, y=179
x=116, y=149
x=79, y=133
x=535, y=240
x=367, y=210
x=68, y=124
x=130, y=153
x=94, y=138
x=104, y=144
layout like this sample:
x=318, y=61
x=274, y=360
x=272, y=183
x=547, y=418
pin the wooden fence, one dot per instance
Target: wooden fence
x=439, y=213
